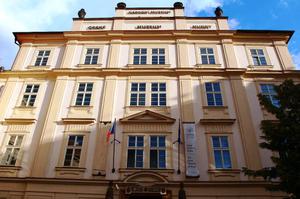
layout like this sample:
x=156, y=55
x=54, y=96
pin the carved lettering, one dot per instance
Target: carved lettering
x=202, y=27
x=148, y=27
x=96, y=27
x=150, y=12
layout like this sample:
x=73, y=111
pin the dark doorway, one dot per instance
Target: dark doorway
x=145, y=197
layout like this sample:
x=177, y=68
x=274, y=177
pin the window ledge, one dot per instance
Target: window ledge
x=81, y=107
x=159, y=109
x=26, y=107
x=133, y=170
x=148, y=66
x=224, y=174
x=47, y=67
x=89, y=65
x=11, y=168
x=208, y=65
x=260, y=67
x=215, y=107
x=224, y=171
x=78, y=169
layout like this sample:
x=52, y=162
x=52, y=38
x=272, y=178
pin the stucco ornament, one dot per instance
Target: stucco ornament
x=81, y=13
x=219, y=12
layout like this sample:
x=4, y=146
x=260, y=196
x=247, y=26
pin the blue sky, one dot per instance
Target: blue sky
x=56, y=15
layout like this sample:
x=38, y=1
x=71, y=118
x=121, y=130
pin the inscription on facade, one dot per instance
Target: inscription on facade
x=148, y=27
x=149, y=12
x=190, y=150
x=201, y=27
x=96, y=27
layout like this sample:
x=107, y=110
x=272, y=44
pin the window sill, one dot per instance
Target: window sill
x=24, y=112
x=69, y=172
x=148, y=66
x=208, y=65
x=129, y=110
x=260, y=67
x=133, y=170
x=26, y=107
x=89, y=65
x=9, y=171
x=224, y=174
x=32, y=67
x=80, y=112
x=213, y=112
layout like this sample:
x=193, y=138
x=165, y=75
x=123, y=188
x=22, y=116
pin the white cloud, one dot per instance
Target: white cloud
x=233, y=23
x=296, y=58
x=195, y=6
x=284, y=3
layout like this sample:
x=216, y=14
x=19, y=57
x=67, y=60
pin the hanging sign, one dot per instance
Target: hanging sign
x=190, y=150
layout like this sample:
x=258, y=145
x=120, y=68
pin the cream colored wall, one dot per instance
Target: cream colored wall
x=165, y=24
x=273, y=58
x=125, y=56
x=241, y=56
x=172, y=56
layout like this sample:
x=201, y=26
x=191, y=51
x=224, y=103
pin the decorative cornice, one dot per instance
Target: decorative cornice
x=217, y=121
x=78, y=120
x=19, y=121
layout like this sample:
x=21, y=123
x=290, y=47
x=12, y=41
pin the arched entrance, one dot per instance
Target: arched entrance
x=145, y=185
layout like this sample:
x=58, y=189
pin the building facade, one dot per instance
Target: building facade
x=177, y=93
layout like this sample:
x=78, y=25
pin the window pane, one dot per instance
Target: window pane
x=210, y=51
x=28, y=88
x=139, y=158
x=208, y=87
x=162, y=141
x=203, y=51
x=14, y=156
x=12, y=140
x=263, y=61
x=136, y=51
x=253, y=52
x=94, y=59
x=142, y=87
x=35, y=88
x=162, y=99
x=87, y=99
x=162, y=159
x=71, y=141
x=224, y=142
x=211, y=59
x=136, y=60
x=6, y=156
x=219, y=101
x=143, y=60
x=133, y=99
x=216, y=142
x=217, y=86
x=134, y=87
x=89, y=87
x=140, y=141
x=68, y=157
x=153, y=159
x=76, y=159
x=256, y=61
x=210, y=99
x=131, y=158
x=154, y=99
x=131, y=141
x=227, y=160
x=260, y=52
x=142, y=100
x=81, y=87
x=153, y=141
x=96, y=51
x=161, y=60
x=264, y=88
x=154, y=59
x=79, y=99
x=161, y=51
x=19, y=140
x=218, y=159
x=204, y=59
x=79, y=140
x=32, y=100
x=143, y=51
x=154, y=51
x=89, y=51
x=162, y=86
x=154, y=87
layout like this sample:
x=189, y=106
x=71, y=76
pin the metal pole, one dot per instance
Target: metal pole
x=179, y=142
x=114, y=146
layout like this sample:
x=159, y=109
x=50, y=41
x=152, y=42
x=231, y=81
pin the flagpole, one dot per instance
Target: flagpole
x=114, y=146
x=179, y=141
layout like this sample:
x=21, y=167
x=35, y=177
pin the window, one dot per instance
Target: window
x=73, y=151
x=258, y=57
x=268, y=91
x=84, y=94
x=138, y=94
x=140, y=56
x=207, y=56
x=135, y=153
x=213, y=94
x=91, y=56
x=158, y=56
x=157, y=152
x=30, y=94
x=221, y=152
x=158, y=94
x=13, y=148
x=42, y=58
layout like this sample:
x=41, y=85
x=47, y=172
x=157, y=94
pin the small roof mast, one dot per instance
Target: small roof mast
x=218, y=12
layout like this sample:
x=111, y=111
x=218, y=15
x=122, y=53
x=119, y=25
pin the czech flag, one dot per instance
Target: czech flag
x=111, y=131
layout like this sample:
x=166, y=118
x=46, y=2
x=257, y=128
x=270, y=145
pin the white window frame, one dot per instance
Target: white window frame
x=159, y=93
x=199, y=62
x=221, y=149
x=73, y=148
x=13, y=147
x=42, y=57
x=207, y=55
x=92, y=55
x=159, y=55
x=136, y=148
x=214, y=93
x=84, y=93
x=258, y=56
x=30, y=95
x=84, y=53
x=149, y=48
x=138, y=93
x=269, y=94
x=158, y=149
